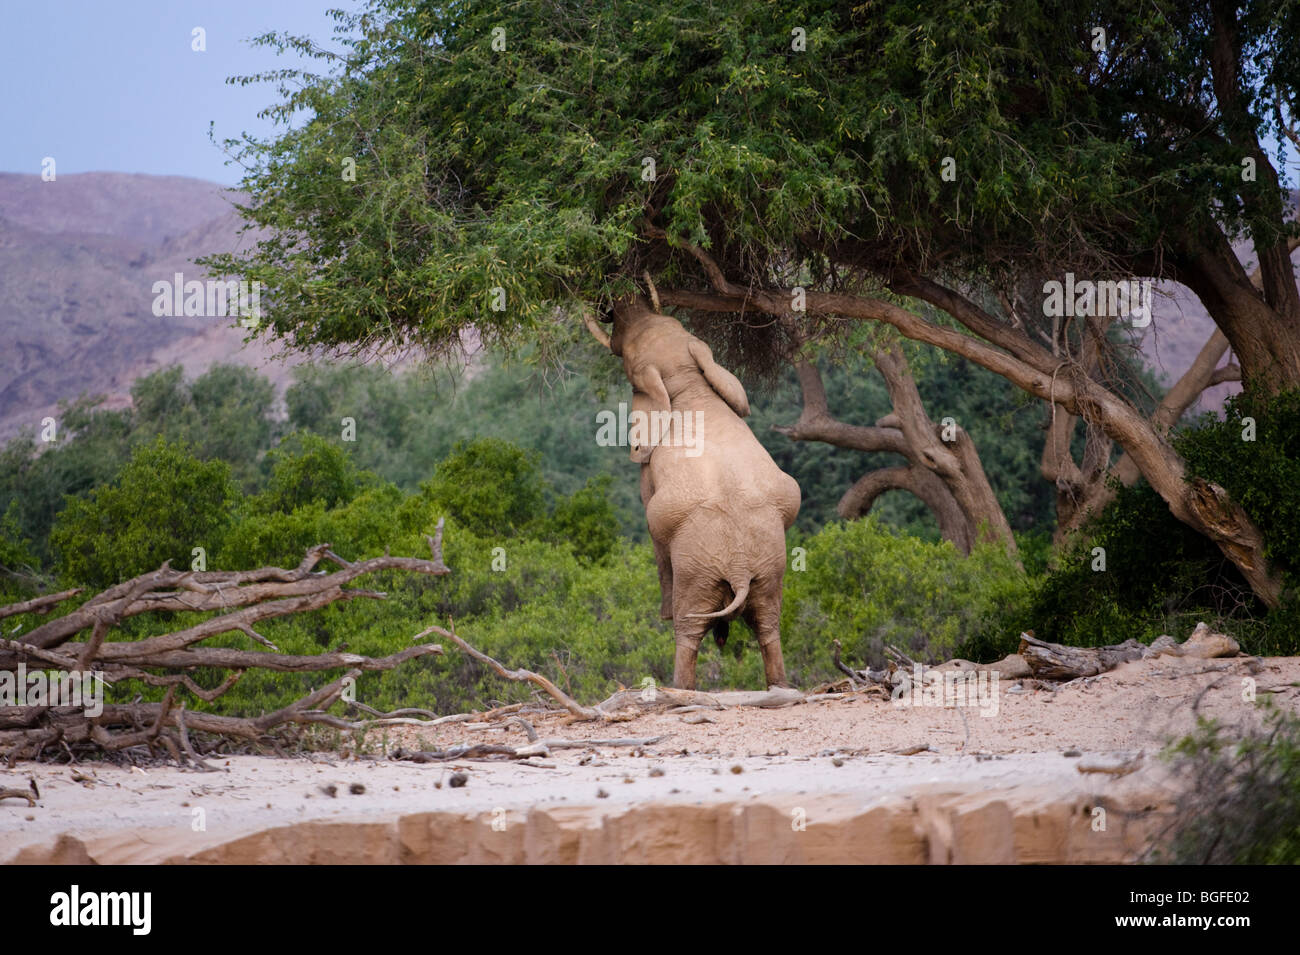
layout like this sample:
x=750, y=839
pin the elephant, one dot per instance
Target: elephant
x=716, y=503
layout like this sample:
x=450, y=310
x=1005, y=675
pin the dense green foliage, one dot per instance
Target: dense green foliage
x=871, y=587
x=540, y=578
x=495, y=149
x=1255, y=455
x=404, y=424
x=1158, y=575
x=490, y=487
x=163, y=505
x=305, y=468
x=862, y=583
x=224, y=414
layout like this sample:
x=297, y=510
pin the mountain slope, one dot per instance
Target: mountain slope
x=78, y=260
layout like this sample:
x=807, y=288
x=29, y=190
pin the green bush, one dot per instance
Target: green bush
x=306, y=468
x=593, y=627
x=1240, y=802
x=589, y=628
x=18, y=564
x=360, y=528
x=1163, y=577
x=224, y=413
x=1262, y=475
x=163, y=503
x=586, y=521
x=490, y=486
x=1158, y=573
x=870, y=586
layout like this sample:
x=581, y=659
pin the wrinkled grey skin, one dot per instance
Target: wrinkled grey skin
x=718, y=520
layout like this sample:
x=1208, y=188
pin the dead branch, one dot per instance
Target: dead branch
x=37, y=604
x=520, y=676
x=1052, y=661
x=656, y=697
x=901, y=658
x=854, y=677
x=536, y=748
x=31, y=794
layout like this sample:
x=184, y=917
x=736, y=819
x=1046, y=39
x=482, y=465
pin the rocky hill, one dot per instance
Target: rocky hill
x=78, y=259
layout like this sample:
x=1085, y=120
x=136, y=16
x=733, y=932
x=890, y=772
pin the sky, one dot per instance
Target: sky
x=114, y=85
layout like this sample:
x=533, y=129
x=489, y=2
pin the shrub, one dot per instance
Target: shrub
x=1161, y=576
x=1262, y=475
x=18, y=565
x=490, y=486
x=163, y=503
x=1158, y=574
x=306, y=468
x=1241, y=801
x=586, y=521
x=358, y=529
x=870, y=586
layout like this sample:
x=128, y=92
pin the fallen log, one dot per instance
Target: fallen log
x=1053, y=661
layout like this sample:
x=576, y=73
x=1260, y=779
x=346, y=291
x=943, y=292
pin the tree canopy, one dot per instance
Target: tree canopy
x=527, y=147
x=785, y=173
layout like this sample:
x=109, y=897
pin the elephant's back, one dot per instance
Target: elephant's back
x=731, y=479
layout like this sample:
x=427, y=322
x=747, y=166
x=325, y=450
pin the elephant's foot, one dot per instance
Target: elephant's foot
x=684, y=666
x=774, y=663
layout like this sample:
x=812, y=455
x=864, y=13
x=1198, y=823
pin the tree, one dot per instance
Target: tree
x=784, y=181
x=306, y=468
x=949, y=480
x=163, y=504
x=490, y=487
x=585, y=521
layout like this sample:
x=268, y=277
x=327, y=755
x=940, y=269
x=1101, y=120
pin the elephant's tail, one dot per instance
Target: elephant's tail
x=742, y=591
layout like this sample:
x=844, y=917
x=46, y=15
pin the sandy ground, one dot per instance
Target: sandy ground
x=1137, y=706
x=844, y=750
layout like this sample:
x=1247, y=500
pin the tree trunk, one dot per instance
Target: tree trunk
x=954, y=524
x=1265, y=337
x=946, y=475
x=947, y=451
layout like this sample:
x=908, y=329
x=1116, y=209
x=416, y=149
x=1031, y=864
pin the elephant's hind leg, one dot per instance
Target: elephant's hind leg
x=665, y=565
x=688, y=650
x=663, y=560
x=688, y=632
x=763, y=614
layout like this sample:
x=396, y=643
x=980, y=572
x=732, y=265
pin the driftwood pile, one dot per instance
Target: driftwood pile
x=1051, y=661
x=86, y=640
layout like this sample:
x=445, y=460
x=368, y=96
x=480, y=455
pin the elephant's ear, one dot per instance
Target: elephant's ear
x=726, y=384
